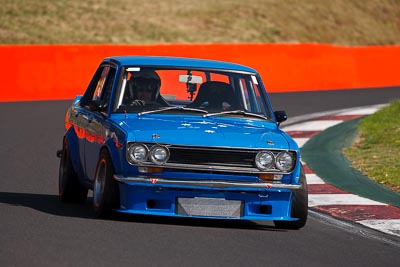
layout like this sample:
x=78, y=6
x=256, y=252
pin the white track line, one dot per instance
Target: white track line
x=361, y=111
x=387, y=226
x=339, y=199
x=314, y=125
x=312, y=178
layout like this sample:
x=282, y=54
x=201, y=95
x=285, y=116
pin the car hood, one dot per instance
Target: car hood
x=198, y=131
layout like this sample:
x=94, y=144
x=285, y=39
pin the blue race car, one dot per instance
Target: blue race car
x=181, y=137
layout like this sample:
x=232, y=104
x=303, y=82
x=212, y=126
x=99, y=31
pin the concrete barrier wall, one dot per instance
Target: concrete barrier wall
x=52, y=72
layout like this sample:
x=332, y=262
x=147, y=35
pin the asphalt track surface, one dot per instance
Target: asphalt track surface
x=37, y=230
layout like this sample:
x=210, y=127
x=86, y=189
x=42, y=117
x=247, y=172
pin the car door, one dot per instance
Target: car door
x=95, y=112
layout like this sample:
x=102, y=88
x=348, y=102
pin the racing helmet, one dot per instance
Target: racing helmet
x=146, y=79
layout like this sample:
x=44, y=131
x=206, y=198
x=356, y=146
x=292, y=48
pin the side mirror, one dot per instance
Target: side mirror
x=77, y=100
x=280, y=116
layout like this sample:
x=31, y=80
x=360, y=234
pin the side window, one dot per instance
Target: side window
x=105, y=94
x=100, y=84
x=99, y=92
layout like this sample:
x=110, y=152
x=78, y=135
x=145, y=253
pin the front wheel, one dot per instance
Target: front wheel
x=105, y=191
x=299, y=206
x=70, y=190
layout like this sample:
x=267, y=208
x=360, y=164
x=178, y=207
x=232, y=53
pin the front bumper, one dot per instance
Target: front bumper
x=206, y=198
x=204, y=184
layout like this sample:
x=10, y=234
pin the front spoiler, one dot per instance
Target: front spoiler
x=208, y=184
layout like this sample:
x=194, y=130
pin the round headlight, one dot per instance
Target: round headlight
x=285, y=161
x=159, y=154
x=264, y=160
x=137, y=153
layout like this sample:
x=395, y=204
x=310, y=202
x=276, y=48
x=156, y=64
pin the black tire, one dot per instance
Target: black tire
x=70, y=190
x=105, y=189
x=299, y=207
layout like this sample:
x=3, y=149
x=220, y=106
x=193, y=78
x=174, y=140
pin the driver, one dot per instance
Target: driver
x=145, y=86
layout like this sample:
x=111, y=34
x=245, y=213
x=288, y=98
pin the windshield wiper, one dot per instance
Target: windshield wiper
x=238, y=112
x=172, y=108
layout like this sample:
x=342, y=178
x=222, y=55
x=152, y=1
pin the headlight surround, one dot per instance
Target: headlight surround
x=159, y=154
x=265, y=160
x=137, y=153
x=285, y=161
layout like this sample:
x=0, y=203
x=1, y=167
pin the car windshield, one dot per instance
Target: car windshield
x=191, y=91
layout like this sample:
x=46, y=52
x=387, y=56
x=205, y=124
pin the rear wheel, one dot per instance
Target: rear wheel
x=105, y=191
x=69, y=188
x=299, y=206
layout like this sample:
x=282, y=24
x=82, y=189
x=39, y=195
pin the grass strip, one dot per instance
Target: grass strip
x=324, y=155
x=376, y=150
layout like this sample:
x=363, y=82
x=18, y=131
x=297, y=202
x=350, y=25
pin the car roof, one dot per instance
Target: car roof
x=165, y=61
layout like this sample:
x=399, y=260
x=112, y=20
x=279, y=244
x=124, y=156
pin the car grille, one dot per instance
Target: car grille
x=224, y=157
